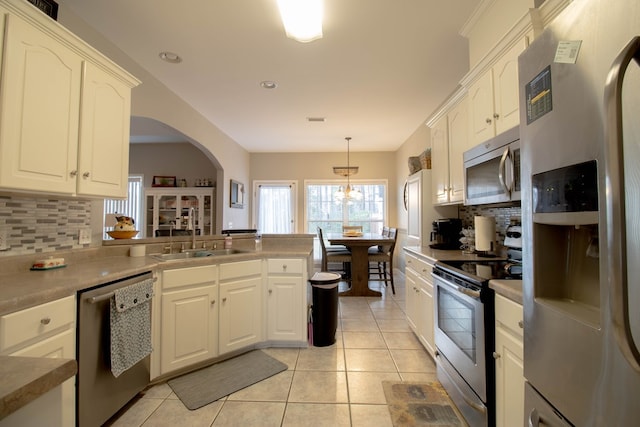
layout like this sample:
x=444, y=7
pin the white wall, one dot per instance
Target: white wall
x=154, y=100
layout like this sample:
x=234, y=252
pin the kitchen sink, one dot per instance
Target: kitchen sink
x=195, y=254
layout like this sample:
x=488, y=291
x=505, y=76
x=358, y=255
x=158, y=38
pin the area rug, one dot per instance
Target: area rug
x=209, y=384
x=420, y=404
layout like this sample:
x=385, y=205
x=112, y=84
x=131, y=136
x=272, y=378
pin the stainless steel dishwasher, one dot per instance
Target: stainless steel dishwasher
x=99, y=395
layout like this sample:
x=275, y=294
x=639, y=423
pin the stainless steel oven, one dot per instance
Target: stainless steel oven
x=464, y=338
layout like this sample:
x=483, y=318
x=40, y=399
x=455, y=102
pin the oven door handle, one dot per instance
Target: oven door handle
x=469, y=292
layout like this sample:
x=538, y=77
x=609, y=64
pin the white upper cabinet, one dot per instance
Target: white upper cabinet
x=449, y=139
x=65, y=110
x=493, y=98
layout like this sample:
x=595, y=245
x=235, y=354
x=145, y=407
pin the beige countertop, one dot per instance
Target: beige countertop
x=511, y=289
x=24, y=379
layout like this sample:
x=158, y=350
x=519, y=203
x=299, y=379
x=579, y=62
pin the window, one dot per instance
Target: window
x=275, y=207
x=323, y=211
x=132, y=206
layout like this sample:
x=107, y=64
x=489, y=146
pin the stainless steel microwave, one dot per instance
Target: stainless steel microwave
x=492, y=170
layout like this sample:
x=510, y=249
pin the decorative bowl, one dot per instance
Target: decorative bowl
x=123, y=234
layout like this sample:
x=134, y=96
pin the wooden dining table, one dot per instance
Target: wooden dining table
x=359, y=247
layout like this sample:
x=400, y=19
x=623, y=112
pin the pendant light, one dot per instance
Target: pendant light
x=302, y=19
x=347, y=193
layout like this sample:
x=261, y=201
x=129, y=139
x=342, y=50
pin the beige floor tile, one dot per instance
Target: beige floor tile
x=389, y=313
x=413, y=361
x=319, y=387
x=234, y=414
x=288, y=356
x=273, y=389
x=173, y=413
x=370, y=415
x=134, y=414
x=351, y=325
x=419, y=377
x=363, y=340
x=366, y=387
x=158, y=391
x=358, y=313
x=393, y=325
x=369, y=360
x=316, y=415
x=321, y=359
x=401, y=340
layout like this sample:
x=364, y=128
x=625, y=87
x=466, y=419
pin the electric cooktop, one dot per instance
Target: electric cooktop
x=483, y=271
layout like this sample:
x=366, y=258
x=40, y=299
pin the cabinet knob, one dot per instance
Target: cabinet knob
x=224, y=299
x=73, y=173
x=496, y=116
x=521, y=324
x=213, y=302
x=284, y=267
x=270, y=291
x=45, y=320
x=488, y=120
x=496, y=355
x=85, y=175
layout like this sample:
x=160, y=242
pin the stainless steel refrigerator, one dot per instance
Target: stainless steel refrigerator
x=580, y=152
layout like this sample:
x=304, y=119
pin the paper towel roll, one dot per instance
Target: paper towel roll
x=485, y=233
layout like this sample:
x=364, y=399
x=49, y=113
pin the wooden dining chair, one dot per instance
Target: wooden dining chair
x=334, y=255
x=381, y=260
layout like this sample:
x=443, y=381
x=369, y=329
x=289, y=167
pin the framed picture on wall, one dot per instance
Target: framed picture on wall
x=163, y=181
x=237, y=194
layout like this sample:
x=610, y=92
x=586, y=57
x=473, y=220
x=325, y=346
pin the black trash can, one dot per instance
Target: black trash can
x=324, y=311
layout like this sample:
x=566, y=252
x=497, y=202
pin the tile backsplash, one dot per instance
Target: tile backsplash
x=42, y=224
x=502, y=214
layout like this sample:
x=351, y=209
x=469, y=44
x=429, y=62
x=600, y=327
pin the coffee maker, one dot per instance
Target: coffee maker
x=446, y=233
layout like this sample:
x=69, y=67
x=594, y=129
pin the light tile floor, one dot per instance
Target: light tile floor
x=339, y=385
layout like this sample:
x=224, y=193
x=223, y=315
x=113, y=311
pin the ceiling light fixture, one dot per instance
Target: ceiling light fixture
x=302, y=19
x=268, y=84
x=170, y=57
x=348, y=193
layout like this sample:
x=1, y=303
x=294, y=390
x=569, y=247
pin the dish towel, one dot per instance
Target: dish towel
x=130, y=325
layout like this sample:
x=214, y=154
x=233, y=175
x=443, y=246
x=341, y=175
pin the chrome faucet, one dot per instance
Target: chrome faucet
x=192, y=222
x=172, y=225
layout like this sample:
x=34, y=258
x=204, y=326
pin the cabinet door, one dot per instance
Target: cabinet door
x=481, y=109
x=458, y=143
x=425, y=313
x=104, y=134
x=39, y=111
x=189, y=327
x=58, y=346
x=240, y=314
x=284, y=316
x=414, y=206
x=509, y=379
x=412, y=295
x=505, y=81
x=440, y=162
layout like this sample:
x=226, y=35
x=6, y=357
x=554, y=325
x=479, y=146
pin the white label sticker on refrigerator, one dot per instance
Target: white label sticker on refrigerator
x=567, y=52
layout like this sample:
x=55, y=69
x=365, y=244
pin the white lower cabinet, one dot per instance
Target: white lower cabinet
x=508, y=356
x=189, y=320
x=285, y=300
x=240, y=304
x=46, y=330
x=419, y=300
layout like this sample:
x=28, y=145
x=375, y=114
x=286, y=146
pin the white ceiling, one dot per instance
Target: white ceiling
x=382, y=67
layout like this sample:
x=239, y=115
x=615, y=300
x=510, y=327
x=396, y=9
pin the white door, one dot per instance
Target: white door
x=275, y=207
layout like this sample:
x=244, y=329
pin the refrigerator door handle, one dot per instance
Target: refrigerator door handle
x=615, y=199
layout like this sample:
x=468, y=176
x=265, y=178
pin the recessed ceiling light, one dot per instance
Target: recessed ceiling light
x=316, y=119
x=170, y=57
x=267, y=84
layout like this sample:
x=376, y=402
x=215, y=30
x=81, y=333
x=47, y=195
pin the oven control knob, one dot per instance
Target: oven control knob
x=496, y=355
